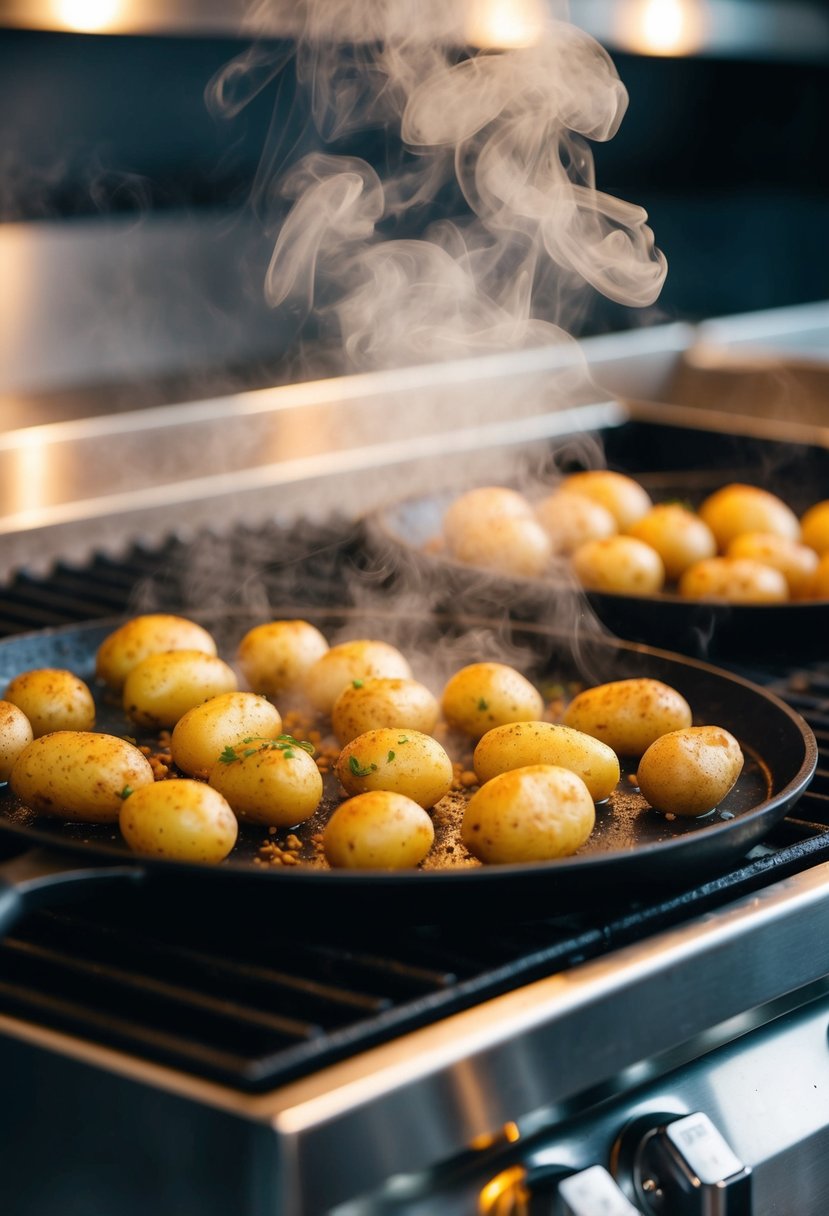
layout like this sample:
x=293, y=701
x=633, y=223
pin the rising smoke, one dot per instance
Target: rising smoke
x=503, y=129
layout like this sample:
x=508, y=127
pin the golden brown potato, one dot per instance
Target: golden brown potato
x=520, y=744
x=402, y=761
x=570, y=519
x=483, y=695
x=620, y=565
x=819, y=584
x=349, y=661
x=179, y=819
x=628, y=715
x=274, y=657
x=206, y=730
x=277, y=785
x=678, y=535
x=506, y=546
x=814, y=527
x=737, y=580
x=478, y=509
x=738, y=508
x=15, y=734
x=52, y=699
x=79, y=775
x=623, y=497
x=373, y=704
x=378, y=830
x=143, y=636
x=528, y=814
x=162, y=687
x=797, y=563
x=689, y=772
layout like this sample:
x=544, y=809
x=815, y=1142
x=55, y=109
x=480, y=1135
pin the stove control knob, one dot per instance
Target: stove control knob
x=685, y=1168
x=592, y=1192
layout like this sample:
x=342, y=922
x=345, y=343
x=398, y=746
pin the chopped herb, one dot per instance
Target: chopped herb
x=403, y=739
x=287, y=753
x=126, y=791
x=354, y=765
x=357, y=683
x=390, y=757
x=228, y=755
x=482, y=704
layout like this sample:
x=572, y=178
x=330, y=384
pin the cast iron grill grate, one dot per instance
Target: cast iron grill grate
x=257, y=1008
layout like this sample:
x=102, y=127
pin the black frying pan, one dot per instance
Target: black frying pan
x=404, y=535
x=633, y=849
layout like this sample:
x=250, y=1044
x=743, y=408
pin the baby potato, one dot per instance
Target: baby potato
x=483, y=695
x=278, y=785
x=797, y=563
x=372, y=704
x=477, y=509
x=819, y=583
x=522, y=744
x=145, y=635
x=737, y=508
x=350, y=661
x=535, y=813
x=678, y=535
x=619, y=565
x=79, y=775
x=570, y=519
x=511, y=546
x=688, y=772
x=814, y=527
x=15, y=734
x=623, y=497
x=378, y=830
x=737, y=580
x=161, y=688
x=628, y=715
x=180, y=819
x=275, y=656
x=52, y=699
x=401, y=761
x=203, y=733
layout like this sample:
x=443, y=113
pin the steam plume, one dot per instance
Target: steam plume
x=507, y=128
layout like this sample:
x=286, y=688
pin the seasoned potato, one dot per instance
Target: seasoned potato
x=570, y=519
x=738, y=508
x=678, y=535
x=688, y=772
x=528, y=814
x=143, y=636
x=483, y=695
x=52, y=699
x=372, y=704
x=278, y=785
x=203, y=733
x=402, y=761
x=79, y=775
x=378, y=830
x=350, y=661
x=275, y=657
x=162, y=687
x=181, y=819
x=623, y=497
x=520, y=744
x=620, y=565
x=797, y=563
x=819, y=583
x=15, y=734
x=814, y=527
x=628, y=715
x=738, y=580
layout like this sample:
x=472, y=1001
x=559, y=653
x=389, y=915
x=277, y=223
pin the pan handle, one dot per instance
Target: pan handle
x=43, y=877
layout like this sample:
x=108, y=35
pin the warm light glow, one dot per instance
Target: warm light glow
x=505, y=1194
x=501, y=24
x=662, y=27
x=88, y=16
